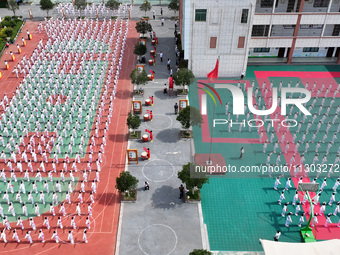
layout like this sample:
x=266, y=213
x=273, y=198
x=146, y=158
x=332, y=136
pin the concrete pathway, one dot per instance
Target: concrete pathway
x=159, y=222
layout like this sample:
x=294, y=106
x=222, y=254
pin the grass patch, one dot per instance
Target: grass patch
x=186, y=134
x=129, y=196
x=135, y=135
x=193, y=196
x=182, y=92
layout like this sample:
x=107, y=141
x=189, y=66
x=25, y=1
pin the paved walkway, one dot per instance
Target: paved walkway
x=159, y=222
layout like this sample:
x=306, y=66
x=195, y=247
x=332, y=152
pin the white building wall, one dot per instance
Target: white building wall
x=270, y=43
x=186, y=28
x=224, y=22
x=284, y=19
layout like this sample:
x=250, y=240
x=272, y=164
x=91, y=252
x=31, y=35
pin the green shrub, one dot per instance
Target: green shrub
x=2, y=43
x=7, y=31
x=12, y=23
x=16, y=29
x=5, y=23
x=7, y=18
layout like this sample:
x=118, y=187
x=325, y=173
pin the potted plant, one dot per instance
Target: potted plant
x=200, y=252
x=133, y=122
x=140, y=50
x=184, y=77
x=193, y=185
x=146, y=6
x=112, y=4
x=189, y=116
x=46, y=5
x=126, y=185
x=138, y=78
x=174, y=5
x=143, y=27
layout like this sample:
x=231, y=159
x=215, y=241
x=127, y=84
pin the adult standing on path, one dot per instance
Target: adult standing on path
x=176, y=108
x=181, y=191
x=242, y=152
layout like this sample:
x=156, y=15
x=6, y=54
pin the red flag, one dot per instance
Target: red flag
x=214, y=73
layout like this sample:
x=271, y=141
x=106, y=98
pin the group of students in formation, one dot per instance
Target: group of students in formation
x=59, y=114
x=92, y=10
x=315, y=201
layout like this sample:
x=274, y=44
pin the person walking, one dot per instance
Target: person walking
x=277, y=236
x=181, y=191
x=168, y=64
x=242, y=152
x=176, y=108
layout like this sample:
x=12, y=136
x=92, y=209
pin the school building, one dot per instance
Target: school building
x=243, y=32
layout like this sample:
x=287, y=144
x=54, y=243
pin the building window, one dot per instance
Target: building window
x=310, y=49
x=258, y=50
x=213, y=42
x=268, y=3
x=321, y=3
x=244, y=18
x=336, y=30
x=241, y=41
x=201, y=15
x=260, y=30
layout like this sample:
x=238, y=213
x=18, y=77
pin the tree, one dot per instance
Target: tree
x=113, y=4
x=12, y=5
x=46, y=5
x=126, y=182
x=146, y=6
x=80, y=4
x=189, y=116
x=190, y=182
x=140, y=49
x=133, y=121
x=174, y=5
x=139, y=78
x=142, y=27
x=183, y=77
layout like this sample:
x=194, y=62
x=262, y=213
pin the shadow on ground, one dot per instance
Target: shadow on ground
x=167, y=198
x=171, y=135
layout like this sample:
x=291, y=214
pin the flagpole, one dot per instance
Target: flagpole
x=209, y=162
